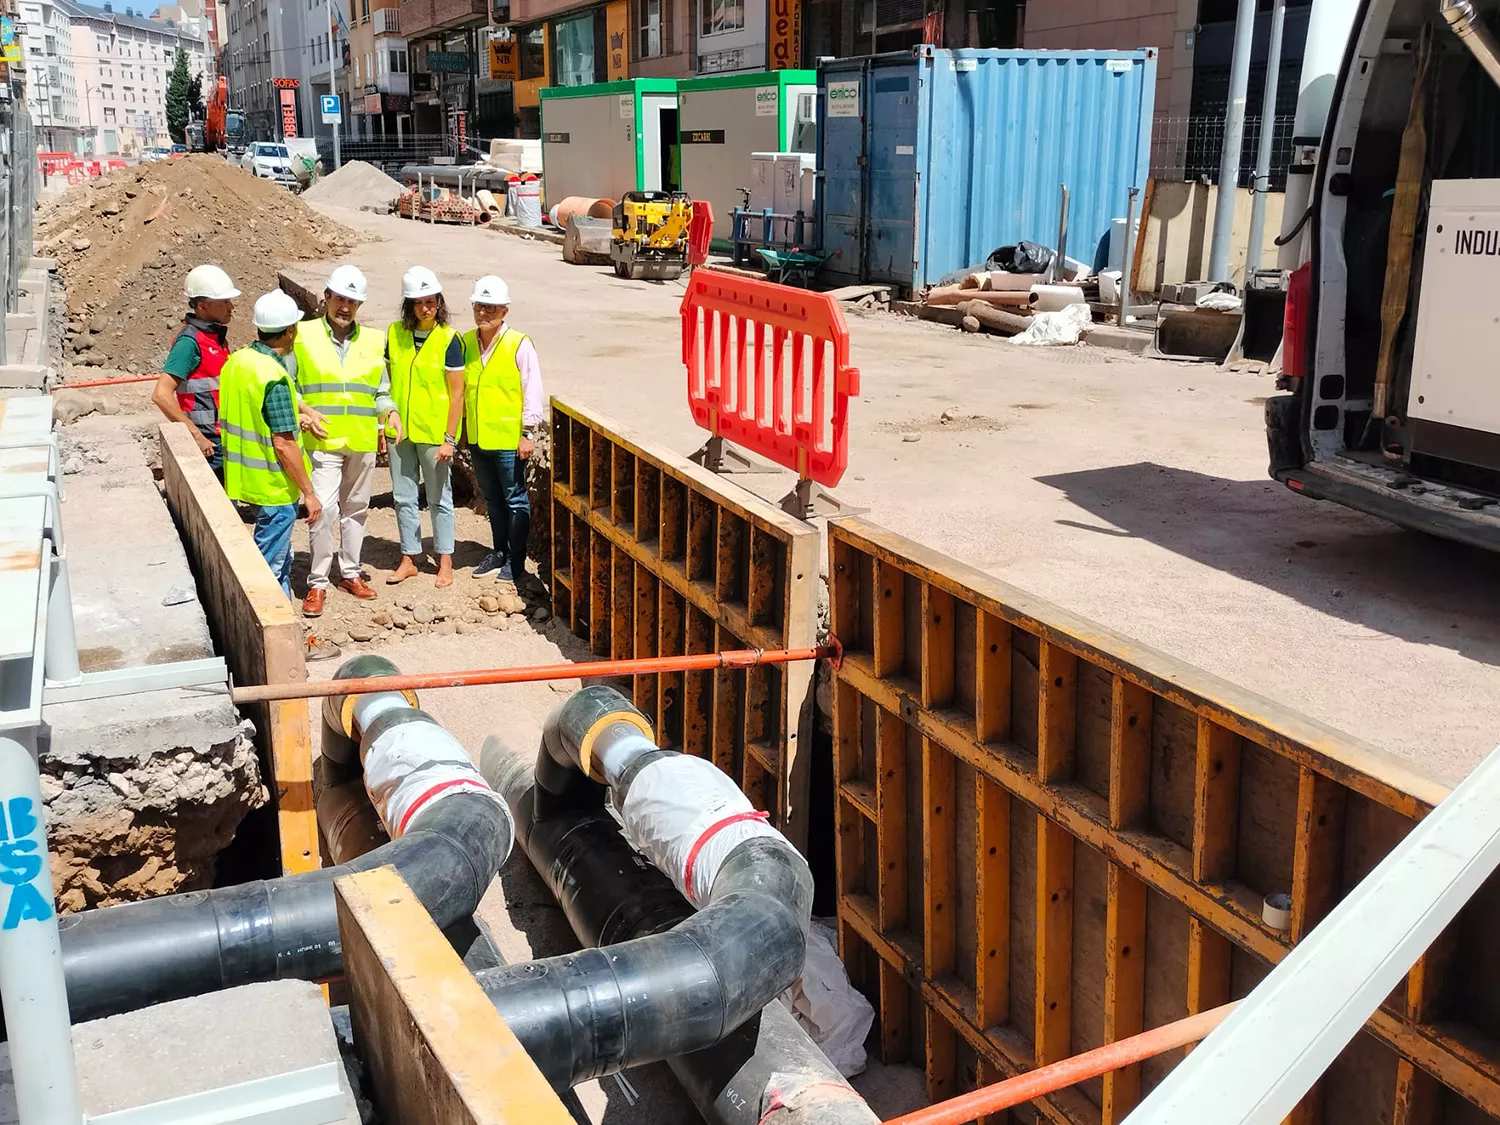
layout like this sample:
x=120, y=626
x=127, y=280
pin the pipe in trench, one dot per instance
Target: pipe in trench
x=121, y=958
x=768, y=1070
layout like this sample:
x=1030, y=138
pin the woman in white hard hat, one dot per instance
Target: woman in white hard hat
x=341, y=373
x=188, y=389
x=502, y=410
x=263, y=462
x=426, y=360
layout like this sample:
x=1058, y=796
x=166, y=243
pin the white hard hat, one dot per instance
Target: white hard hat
x=419, y=281
x=275, y=312
x=210, y=282
x=347, y=281
x=491, y=290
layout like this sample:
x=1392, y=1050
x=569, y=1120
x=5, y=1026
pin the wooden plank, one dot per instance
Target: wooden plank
x=1129, y=754
x=730, y=715
x=1124, y=985
x=1054, y=943
x=645, y=625
x=257, y=632
x=1216, y=790
x=671, y=640
x=894, y=1010
x=992, y=664
x=942, y=1060
x=438, y=1051
x=1383, y=777
x=1418, y=1096
x=622, y=605
x=1317, y=864
x=992, y=901
x=939, y=829
x=1057, y=712
x=890, y=813
x=601, y=575
x=890, y=619
x=1208, y=967
x=937, y=648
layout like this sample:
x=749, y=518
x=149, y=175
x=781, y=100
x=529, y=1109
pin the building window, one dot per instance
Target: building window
x=533, y=61
x=398, y=60
x=723, y=15
x=653, y=35
x=109, y=113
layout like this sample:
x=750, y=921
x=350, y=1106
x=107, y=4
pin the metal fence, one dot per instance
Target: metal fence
x=1189, y=148
x=18, y=191
x=391, y=153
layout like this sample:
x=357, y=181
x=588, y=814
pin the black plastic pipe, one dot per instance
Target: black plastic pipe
x=121, y=958
x=610, y=895
x=673, y=990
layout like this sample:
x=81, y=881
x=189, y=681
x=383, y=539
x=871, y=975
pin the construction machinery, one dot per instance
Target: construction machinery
x=223, y=129
x=650, y=234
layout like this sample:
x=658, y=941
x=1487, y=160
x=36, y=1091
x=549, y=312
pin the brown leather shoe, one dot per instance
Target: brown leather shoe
x=312, y=605
x=358, y=587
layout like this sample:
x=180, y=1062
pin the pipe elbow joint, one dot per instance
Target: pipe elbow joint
x=580, y=731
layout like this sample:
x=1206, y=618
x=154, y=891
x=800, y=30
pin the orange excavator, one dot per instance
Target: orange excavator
x=223, y=128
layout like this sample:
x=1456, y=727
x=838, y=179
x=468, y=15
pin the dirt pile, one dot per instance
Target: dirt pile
x=357, y=185
x=126, y=241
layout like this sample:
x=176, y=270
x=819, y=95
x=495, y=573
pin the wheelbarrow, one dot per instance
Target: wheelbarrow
x=793, y=267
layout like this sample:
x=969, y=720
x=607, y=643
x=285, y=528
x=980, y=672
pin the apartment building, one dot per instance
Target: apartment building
x=52, y=86
x=378, y=89
x=122, y=61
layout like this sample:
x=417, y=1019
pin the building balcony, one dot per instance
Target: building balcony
x=387, y=21
x=425, y=17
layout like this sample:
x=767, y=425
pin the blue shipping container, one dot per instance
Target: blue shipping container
x=929, y=160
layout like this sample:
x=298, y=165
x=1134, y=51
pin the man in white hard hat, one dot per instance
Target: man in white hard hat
x=502, y=410
x=341, y=373
x=263, y=462
x=188, y=389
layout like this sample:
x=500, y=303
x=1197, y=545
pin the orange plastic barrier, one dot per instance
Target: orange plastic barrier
x=700, y=232
x=768, y=369
x=54, y=162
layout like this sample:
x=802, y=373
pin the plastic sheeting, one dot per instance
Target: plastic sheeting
x=1049, y=329
x=829, y=1008
x=685, y=816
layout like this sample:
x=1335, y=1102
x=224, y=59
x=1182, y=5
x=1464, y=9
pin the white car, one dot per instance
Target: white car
x=152, y=155
x=269, y=161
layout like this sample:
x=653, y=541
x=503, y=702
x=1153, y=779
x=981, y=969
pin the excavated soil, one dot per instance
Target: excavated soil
x=126, y=241
x=356, y=184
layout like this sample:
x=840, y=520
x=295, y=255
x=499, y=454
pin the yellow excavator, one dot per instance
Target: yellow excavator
x=650, y=234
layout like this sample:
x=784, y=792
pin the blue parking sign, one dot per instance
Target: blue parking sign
x=332, y=112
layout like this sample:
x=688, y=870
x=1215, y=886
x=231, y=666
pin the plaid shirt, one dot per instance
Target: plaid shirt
x=277, y=410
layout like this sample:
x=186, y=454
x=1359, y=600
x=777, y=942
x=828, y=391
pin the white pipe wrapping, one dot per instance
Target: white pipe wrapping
x=685, y=816
x=411, y=766
x=1054, y=298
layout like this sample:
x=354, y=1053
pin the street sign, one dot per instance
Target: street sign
x=332, y=113
x=10, y=42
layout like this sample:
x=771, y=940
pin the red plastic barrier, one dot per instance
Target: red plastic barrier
x=768, y=369
x=117, y=164
x=54, y=162
x=75, y=172
x=700, y=232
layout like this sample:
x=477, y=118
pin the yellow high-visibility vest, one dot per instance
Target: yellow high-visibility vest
x=419, y=382
x=492, y=391
x=251, y=472
x=342, y=390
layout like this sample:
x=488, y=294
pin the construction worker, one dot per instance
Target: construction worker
x=502, y=409
x=188, y=389
x=341, y=373
x=426, y=359
x=263, y=462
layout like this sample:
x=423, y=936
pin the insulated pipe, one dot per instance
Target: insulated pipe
x=768, y=1070
x=1234, y=134
x=450, y=834
x=1262, y=185
x=596, y=1012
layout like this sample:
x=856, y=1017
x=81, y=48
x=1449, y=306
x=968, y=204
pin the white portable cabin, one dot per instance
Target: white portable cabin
x=603, y=140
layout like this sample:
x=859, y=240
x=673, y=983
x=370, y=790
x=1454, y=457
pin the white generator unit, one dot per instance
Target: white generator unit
x=1453, y=407
x=725, y=119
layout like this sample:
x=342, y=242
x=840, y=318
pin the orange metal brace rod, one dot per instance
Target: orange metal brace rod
x=588, y=670
x=111, y=382
x=1049, y=1079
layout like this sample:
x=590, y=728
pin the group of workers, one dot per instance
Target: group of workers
x=303, y=411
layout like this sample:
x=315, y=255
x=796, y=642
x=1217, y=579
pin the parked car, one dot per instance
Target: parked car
x=151, y=155
x=269, y=161
x=179, y=150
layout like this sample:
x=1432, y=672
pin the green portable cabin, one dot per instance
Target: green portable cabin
x=603, y=140
x=723, y=119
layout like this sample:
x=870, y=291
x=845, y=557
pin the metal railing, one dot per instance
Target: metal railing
x=18, y=191
x=1189, y=148
x=389, y=153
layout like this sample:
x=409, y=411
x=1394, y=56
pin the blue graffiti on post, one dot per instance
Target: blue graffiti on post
x=22, y=862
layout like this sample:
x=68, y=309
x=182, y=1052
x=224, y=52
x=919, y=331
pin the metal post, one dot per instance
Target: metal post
x=1127, y=257
x=1234, y=135
x=1267, y=135
x=332, y=89
x=1060, y=262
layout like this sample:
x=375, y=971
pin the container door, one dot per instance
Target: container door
x=892, y=146
x=841, y=198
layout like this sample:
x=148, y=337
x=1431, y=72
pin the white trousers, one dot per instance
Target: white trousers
x=342, y=482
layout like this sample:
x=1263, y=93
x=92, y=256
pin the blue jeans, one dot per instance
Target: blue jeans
x=408, y=459
x=502, y=479
x=273, y=536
